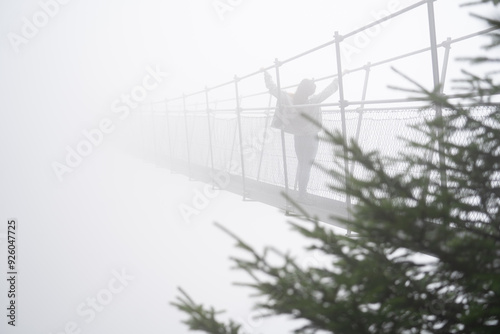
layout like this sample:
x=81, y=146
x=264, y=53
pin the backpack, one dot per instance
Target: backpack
x=284, y=118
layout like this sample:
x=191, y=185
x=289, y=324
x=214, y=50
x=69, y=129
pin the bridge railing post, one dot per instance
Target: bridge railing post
x=343, y=104
x=446, y=57
x=277, y=65
x=264, y=140
x=169, y=138
x=233, y=144
x=435, y=77
x=210, y=147
x=187, y=135
x=240, y=135
x=361, y=109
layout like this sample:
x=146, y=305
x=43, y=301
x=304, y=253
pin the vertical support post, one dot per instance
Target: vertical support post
x=187, y=134
x=435, y=77
x=343, y=104
x=432, y=33
x=265, y=136
x=232, y=147
x=283, y=144
x=171, y=156
x=447, y=47
x=209, y=132
x=360, y=117
x=238, y=115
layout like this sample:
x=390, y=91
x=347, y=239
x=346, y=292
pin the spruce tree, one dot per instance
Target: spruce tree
x=426, y=258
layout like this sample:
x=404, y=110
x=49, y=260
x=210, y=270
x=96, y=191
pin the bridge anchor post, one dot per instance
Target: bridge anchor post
x=238, y=116
x=343, y=104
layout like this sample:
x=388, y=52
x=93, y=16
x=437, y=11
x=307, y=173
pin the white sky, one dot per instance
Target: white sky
x=65, y=79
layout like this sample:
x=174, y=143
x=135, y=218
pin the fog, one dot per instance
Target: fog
x=109, y=225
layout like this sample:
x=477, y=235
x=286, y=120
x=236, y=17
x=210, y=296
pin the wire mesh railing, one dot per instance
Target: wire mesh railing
x=231, y=131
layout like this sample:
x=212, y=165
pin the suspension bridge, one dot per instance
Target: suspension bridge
x=223, y=136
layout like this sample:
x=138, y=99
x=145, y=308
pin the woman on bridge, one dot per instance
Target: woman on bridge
x=291, y=120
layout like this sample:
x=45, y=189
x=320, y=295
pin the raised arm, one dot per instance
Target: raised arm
x=273, y=89
x=326, y=93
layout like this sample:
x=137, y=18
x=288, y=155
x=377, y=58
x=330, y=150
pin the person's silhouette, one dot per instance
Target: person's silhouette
x=289, y=118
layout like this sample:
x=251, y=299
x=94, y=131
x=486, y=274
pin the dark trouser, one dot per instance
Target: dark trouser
x=306, y=147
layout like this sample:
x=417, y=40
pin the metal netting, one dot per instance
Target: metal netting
x=260, y=151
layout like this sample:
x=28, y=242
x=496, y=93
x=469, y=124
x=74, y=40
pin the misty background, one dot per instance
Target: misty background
x=115, y=211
